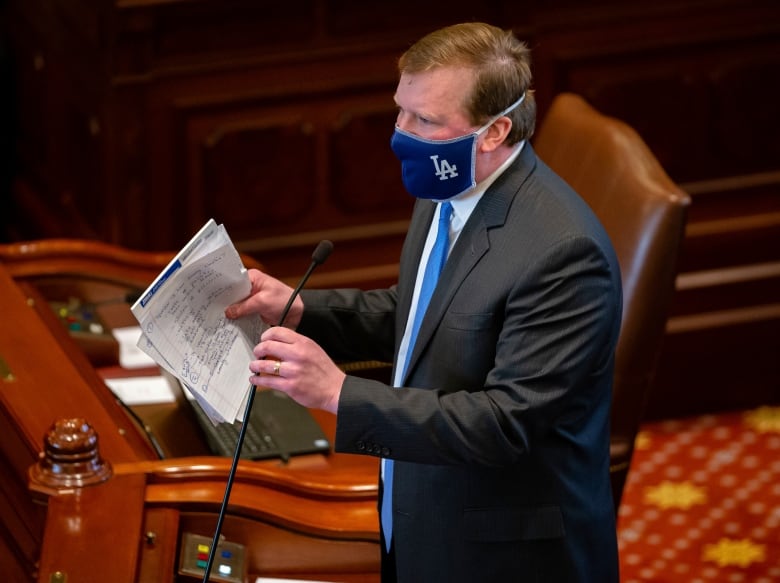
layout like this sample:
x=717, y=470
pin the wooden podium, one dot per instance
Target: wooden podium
x=123, y=514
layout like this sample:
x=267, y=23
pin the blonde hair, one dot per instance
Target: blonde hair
x=502, y=66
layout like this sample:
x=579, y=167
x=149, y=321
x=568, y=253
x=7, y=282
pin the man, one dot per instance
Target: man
x=496, y=434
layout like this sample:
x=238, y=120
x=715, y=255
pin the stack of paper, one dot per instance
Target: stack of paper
x=184, y=328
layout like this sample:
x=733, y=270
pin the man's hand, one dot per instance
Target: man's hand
x=296, y=365
x=267, y=298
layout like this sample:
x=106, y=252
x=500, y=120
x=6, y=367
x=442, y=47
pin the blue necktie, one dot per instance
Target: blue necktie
x=432, y=270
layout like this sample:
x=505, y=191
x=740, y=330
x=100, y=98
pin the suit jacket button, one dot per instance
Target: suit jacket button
x=361, y=445
x=385, y=452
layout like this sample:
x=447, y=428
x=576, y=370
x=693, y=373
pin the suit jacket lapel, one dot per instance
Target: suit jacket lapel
x=491, y=212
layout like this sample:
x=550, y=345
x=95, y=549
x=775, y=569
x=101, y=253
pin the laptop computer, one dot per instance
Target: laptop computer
x=278, y=428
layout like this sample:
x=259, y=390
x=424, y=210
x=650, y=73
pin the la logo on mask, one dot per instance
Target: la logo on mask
x=444, y=170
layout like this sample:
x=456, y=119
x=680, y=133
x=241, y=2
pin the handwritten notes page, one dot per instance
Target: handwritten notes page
x=184, y=328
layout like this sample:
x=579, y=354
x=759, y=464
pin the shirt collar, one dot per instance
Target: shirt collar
x=464, y=204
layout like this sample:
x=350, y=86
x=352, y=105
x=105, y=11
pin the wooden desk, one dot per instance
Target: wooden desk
x=313, y=517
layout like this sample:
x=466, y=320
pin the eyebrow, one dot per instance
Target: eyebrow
x=438, y=119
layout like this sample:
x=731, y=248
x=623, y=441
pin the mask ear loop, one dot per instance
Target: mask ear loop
x=493, y=119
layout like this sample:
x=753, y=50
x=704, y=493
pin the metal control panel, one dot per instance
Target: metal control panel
x=229, y=561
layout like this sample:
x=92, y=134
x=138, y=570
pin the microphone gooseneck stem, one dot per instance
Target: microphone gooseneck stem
x=319, y=256
x=229, y=485
x=295, y=293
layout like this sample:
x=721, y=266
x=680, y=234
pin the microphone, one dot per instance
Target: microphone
x=318, y=257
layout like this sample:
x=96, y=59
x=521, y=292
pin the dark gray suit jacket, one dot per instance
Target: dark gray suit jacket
x=501, y=432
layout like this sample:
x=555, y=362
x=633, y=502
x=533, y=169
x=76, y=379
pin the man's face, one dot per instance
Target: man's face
x=431, y=103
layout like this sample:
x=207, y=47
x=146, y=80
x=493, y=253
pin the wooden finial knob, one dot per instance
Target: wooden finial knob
x=70, y=456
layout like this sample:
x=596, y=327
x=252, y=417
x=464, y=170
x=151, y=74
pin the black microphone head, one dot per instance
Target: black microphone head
x=322, y=252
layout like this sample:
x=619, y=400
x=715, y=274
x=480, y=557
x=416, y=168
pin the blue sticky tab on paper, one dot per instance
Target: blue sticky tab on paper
x=158, y=284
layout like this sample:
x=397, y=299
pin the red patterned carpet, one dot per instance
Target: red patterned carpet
x=702, y=501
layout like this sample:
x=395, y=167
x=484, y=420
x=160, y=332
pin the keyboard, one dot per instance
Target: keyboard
x=278, y=428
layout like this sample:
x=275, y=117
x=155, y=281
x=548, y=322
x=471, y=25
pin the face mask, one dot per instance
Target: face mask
x=440, y=169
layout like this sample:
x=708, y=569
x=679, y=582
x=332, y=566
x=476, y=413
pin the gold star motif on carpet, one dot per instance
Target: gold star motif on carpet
x=643, y=440
x=729, y=552
x=681, y=495
x=764, y=419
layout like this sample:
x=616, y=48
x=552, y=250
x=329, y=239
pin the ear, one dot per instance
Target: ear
x=496, y=134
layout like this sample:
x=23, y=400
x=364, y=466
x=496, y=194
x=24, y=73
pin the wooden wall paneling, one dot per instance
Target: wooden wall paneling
x=58, y=123
x=745, y=122
x=32, y=128
x=258, y=175
x=733, y=221
x=364, y=176
x=650, y=93
x=664, y=75
x=354, y=19
x=80, y=166
x=287, y=164
x=31, y=112
x=706, y=368
x=79, y=98
x=128, y=136
x=723, y=334
x=162, y=37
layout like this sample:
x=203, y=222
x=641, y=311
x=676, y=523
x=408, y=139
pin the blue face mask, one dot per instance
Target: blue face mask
x=440, y=169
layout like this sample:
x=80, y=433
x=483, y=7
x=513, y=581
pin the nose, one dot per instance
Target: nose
x=402, y=121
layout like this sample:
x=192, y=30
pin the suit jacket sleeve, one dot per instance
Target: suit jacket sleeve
x=351, y=324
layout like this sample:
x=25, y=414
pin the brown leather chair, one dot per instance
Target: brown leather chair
x=644, y=212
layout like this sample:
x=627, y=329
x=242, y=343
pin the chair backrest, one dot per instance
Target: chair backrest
x=644, y=213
